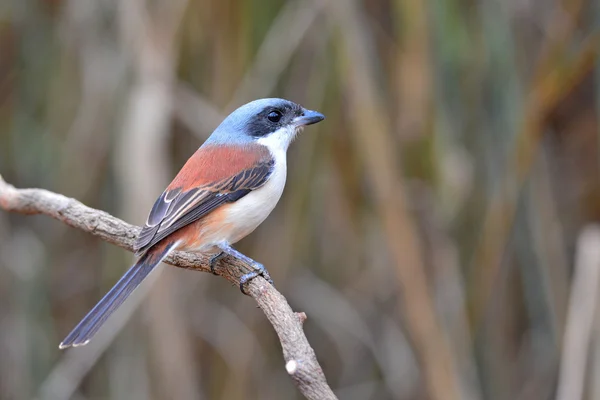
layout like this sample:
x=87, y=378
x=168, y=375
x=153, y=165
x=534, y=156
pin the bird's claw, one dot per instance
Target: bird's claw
x=213, y=261
x=259, y=269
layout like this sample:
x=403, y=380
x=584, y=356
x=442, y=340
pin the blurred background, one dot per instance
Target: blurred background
x=437, y=228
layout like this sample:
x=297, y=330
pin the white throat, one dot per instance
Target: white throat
x=280, y=140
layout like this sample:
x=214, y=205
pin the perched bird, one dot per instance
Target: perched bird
x=222, y=193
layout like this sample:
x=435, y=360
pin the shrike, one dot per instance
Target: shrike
x=222, y=193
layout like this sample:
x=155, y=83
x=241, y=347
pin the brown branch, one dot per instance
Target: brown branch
x=300, y=359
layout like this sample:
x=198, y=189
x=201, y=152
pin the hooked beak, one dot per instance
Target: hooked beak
x=308, y=117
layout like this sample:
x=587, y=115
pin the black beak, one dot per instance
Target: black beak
x=308, y=117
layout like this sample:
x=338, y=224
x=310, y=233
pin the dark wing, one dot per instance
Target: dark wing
x=176, y=208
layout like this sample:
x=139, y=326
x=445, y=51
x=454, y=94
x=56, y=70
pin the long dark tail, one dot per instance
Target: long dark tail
x=92, y=322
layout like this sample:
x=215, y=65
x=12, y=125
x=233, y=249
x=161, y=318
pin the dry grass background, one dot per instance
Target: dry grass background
x=435, y=228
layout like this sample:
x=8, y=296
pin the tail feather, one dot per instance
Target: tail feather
x=91, y=323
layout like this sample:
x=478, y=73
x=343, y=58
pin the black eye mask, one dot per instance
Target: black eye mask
x=272, y=119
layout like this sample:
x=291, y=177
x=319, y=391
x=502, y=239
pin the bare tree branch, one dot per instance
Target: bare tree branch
x=300, y=359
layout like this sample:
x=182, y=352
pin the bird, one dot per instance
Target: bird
x=224, y=191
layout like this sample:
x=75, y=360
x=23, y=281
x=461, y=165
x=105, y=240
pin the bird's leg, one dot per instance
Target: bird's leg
x=213, y=261
x=259, y=269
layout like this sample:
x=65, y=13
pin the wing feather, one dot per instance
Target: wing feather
x=176, y=208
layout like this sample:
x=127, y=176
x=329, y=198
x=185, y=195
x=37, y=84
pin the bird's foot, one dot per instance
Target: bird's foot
x=259, y=270
x=213, y=261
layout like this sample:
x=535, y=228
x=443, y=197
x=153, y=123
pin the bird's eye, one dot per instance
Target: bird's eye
x=274, y=116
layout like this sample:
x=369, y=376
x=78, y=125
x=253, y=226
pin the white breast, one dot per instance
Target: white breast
x=246, y=214
x=251, y=210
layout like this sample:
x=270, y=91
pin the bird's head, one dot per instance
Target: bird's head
x=273, y=122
